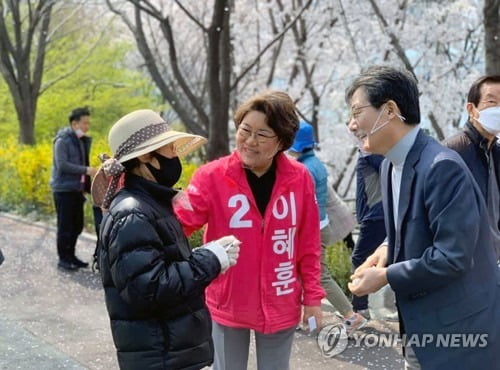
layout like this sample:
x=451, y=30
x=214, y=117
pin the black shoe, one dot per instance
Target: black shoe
x=67, y=265
x=79, y=263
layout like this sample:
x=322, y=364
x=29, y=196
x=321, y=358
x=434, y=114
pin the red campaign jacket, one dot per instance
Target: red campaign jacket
x=279, y=264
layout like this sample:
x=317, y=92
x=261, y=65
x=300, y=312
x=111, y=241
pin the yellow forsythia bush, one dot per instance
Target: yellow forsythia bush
x=25, y=173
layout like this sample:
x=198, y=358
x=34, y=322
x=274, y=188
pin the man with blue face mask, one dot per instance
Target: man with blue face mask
x=479, y=147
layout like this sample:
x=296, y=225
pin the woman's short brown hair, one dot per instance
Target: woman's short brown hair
x=280, y=112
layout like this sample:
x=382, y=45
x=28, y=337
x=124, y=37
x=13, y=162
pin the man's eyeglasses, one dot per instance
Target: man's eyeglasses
x=259, y=136
x=356, y=111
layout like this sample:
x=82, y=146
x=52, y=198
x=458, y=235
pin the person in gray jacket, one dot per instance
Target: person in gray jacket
x=70, y=179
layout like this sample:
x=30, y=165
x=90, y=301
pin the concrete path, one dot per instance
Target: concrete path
x=51, y=319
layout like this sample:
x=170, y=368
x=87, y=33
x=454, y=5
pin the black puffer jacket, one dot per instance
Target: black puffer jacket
x=154, y=284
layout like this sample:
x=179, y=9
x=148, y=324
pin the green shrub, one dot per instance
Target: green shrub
x=338, y=257
x=196, y=238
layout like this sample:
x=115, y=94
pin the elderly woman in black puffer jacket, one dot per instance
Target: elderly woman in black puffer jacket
x=153, y=282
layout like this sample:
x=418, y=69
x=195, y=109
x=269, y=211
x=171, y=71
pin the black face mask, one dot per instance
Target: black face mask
x=169, y=172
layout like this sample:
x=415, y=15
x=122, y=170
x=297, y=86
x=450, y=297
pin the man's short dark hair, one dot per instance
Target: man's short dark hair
x=384, y=83
x=474, y=95
x=78, y=113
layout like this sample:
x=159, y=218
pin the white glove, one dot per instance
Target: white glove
x=232, y=247
x=226, y=249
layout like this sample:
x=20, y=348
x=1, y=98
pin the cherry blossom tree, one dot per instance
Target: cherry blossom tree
x=206, y=57
x=188, y=48
x=440, y=42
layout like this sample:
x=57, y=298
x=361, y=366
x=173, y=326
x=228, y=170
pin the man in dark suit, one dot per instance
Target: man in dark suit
x=437, y=256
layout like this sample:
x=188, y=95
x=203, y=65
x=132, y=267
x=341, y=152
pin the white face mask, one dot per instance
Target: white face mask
x=374, y=127
x=79, y=133
x=489, y=118
x=359, y=142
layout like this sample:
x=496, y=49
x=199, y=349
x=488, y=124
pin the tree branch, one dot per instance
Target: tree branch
x=6, y=49
x=165, y=89
x=394, y=40
x=191, y=16
x=40, y=55
x=167, y=92
x=197, y=104
x=349, y=33
x=276, y=51
x=150, y=9
x=280, y=35
x=75, y=67
x=344, y=169
x=55, y=28
x=122, y=15
x=435, y=126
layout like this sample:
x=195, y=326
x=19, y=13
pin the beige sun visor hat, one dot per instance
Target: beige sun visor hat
x=137, y=133
x=143, y=131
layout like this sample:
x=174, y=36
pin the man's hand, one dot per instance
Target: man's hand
x=91, y=171
x=376, y=259
x=368, y=280
x=313, y=311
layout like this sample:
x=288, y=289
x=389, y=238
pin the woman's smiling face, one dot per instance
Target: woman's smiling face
x=256, y=142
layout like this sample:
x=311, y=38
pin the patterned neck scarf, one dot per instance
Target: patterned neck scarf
x=114, y=169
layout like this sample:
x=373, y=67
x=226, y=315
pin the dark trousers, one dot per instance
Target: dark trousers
x=97, y=219
x=371, y=235
x=69, y=209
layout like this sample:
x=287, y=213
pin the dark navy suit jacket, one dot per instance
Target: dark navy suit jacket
x=441, y=264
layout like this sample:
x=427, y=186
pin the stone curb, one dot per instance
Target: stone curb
x=88, y=237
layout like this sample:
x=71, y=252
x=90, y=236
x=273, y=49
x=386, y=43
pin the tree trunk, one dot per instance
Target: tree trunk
x=491, y=12
x=19, y=51
x=437, y=129
x=203, y=110
x=218, y=80
x=26, y=111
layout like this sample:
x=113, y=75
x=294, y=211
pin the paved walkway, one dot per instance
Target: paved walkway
x=50, y=319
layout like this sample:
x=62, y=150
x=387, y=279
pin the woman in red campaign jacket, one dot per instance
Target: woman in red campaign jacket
x=267, y=202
